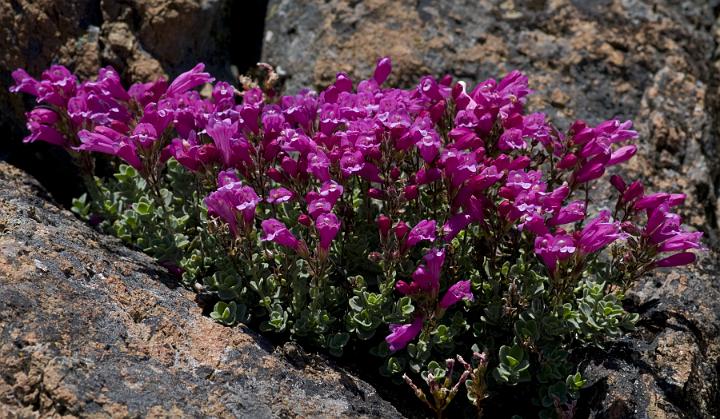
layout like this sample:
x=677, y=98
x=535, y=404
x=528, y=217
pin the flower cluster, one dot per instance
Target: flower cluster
x=441, y=217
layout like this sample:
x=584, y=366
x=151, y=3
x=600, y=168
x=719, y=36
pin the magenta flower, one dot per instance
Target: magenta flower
x=275, y=231
x=232, y=200
x=226, y=177
x=678, y=259
x=599, y=233
x=41, y=124
x=189, y=80
x=351, y=162
x=319, y=165
x=458, y=291
x=554, y=248
x=622, y=154
x=144, y=135
x=105, y=140
x=424, y=230
x=232, y=147
x=590, y=171
x=426, y=278
x=384, y=224
x=455, y=225
x=633, y=191
x=279, y=196
x=190, y=154
x=24, y=83
x=382, y=70
x=319, y=206
x=327, y=226
x=402, y=334
x=512, y=139
x=573, y=212
x=331, y=191
x=682, y=241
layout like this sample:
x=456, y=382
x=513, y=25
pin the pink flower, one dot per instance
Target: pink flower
x=599, y=233
x=424, y=230
x=573, y=212
x=382, y=70
x=455, y=225
x=276, y=232
x=458, y=291
x=554, y=248
x=678, y=259
x=327, y=226
x=426, y=278
x=319, y=206
x=279, y=196
x=105, y=140
x=230, y=200
x=188, y=80
x=402, y=334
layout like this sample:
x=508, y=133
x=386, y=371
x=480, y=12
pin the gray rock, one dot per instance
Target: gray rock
x=91, y=328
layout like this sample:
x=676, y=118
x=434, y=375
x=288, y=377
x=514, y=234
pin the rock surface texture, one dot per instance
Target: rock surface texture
x=654, y=62
x=90, y=328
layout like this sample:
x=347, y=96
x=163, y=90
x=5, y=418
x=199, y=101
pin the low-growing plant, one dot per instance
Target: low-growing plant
x=418, y=225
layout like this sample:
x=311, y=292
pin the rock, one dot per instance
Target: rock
x=91, y=328
x=649, y=61
x=668, y=367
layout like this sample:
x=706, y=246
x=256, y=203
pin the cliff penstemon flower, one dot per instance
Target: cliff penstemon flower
x=415, y=224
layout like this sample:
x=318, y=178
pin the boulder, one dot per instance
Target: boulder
x=90, y=328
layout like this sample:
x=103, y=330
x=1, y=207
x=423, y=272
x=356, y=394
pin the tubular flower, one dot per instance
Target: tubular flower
x=424, y=230
x=275, y=231
x=402, y=334
x=555, y=248
x=327, y=226
x=458, y=291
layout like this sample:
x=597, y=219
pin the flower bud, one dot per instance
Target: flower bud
x=633, y=191
x=375, y=193
x=401, y=230
x=395, y=173
x=567, y=162
x=410, y=192
x=384, y=224
x=630, y=228
x=382, y=70
x=618, y=183
x=304, y=219
x=275, y=174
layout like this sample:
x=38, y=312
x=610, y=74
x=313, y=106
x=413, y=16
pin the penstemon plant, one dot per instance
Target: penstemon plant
x=417, y=225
